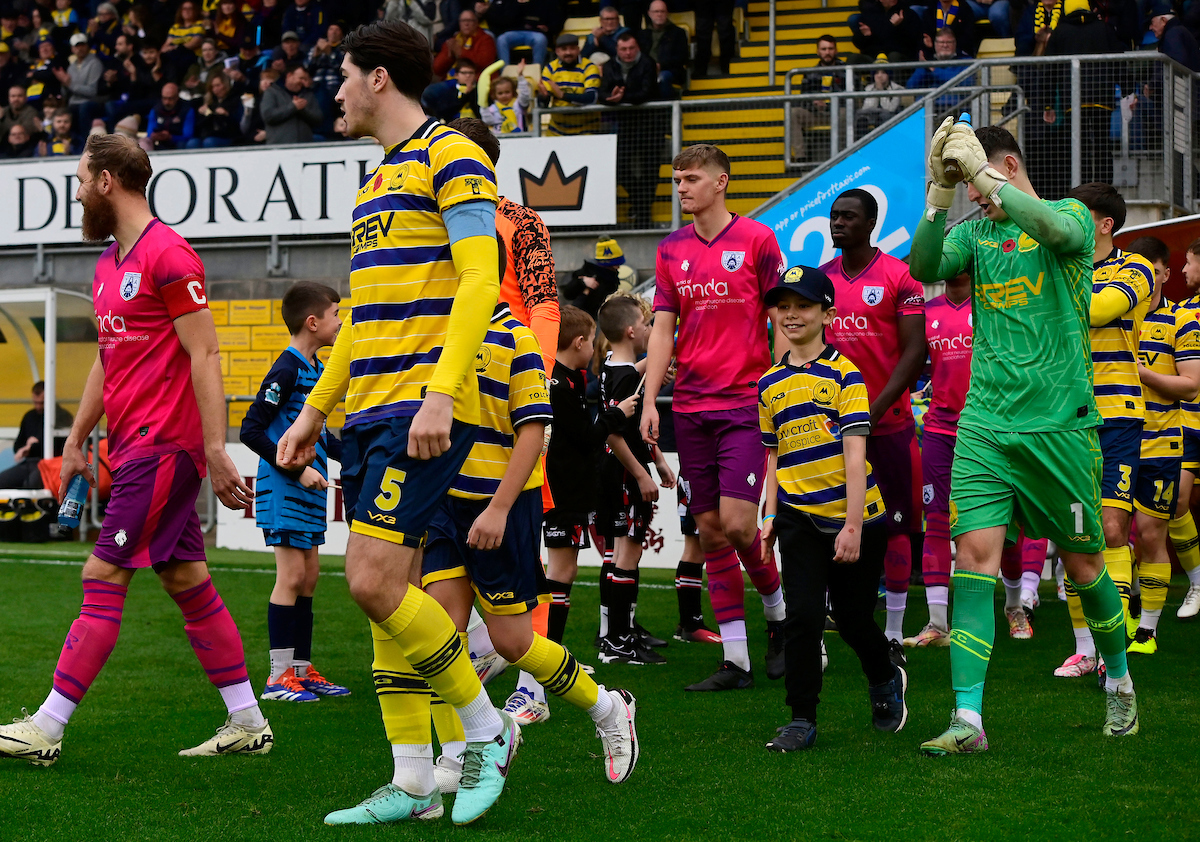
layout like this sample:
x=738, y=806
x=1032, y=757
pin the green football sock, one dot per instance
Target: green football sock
x=1102, y=608
x=971, y=637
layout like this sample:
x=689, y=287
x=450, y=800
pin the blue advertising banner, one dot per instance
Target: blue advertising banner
x=891, y=168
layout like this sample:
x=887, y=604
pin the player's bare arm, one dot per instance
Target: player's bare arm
x=198, y=336
x=659, y=350
x=1183, y=386
x=91, y=408
x=912, y=360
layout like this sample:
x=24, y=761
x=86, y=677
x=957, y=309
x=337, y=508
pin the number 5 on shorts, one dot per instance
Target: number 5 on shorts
x=390, y=487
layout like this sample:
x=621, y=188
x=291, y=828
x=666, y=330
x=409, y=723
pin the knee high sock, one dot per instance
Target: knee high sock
x=89, y=642
x=1154, y=578
x=622, y=589
x=897, y=568
x=560, y=606
x=689, y=580
x=404, y=702
x=1106, y=618
x=606, y=568
x=1033, y=562
x=281, y=634
x=764, y=575
x=935, y=565
x=217, y=643
x=1119, y=563
x=972, y=637
x=556, y=669
x=304, y=629
x=726, y=592
x=431, y=644
x=1187, y=545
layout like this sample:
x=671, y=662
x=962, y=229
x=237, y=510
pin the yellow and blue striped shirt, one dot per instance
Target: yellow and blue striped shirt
x=1191, y=409
x=512, y=392
x=805, y=412
x=579, y=78
x=1170, y=334
x=402, y=277
x=180, y=33
x=1117, y=388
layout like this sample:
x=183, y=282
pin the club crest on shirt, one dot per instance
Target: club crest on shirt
x=687, y=264
x=272, y=394
x=130, y=285
x=483, y=358
x=872, y=295
x=927, y=493
x=733, y=260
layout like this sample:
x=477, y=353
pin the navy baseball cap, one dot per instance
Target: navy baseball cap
x=807, y=282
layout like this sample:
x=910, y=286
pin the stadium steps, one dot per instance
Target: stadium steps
x=753, y=137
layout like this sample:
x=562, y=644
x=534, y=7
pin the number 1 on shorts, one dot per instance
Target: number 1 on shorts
x=1077, y=510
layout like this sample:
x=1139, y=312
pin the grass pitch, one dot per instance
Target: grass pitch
x=703, y=773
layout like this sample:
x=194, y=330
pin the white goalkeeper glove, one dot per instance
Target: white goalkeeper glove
x=965, y=148
x=940, y=194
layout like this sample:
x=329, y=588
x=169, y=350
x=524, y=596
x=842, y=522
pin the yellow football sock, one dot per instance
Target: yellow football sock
x=1119, y=562
x=446, y=723
x=1154, y=577
x=1074, y=607
x=556, y=669
x=428, y=639
x=403, y=695
x=1187, y=543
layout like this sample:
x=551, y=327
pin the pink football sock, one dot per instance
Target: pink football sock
x=91, y=638
x=897, y=563
x=213, y=634
x=935, y=558
x=764, y=574
x=726, y=590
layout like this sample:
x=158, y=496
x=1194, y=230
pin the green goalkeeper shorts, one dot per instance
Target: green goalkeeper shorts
x=1047, y=482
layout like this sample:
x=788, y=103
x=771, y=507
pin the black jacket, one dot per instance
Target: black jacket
x=584, y=297
x=640, y=83
x=673, y=54
x=1081, y=33
x=506, y=15
x=576, y=441
x=1179, y=43
x=886, y=37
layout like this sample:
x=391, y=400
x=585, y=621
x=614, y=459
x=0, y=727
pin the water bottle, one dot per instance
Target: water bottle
x=950, y=165
x=72, y=504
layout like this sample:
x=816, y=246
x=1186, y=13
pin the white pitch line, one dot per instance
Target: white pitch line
x=59, y=562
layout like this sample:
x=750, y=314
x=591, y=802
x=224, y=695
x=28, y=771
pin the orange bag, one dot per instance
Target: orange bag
x=51, y=471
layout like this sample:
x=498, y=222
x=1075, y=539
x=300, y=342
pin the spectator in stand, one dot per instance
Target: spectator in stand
x=307, y=19
x=955, y=15
x=19, y=111
x=325, y=66
x=946, y=62
x=19, y=143
x=708, y=13
x=212, y=60
x=815, y=112
x=27, y=446
x=1037, y=24
x=66, y=20
x=1174, y=39
x=61, y=140
x=228, y=27
x=631, y=79
x=886, y=27
x=10, y=31
x=509, y=109
x=1124, y=19
x=877, y=110
x=289, y=51
x=81, y=81
x=243, y=76
x=525, y=23
x=448, y=12
x=113, y=89
x=419, y=14
x=145, y=90
x=597, y=279
x=12, y=69
x=290, y=111
x=449, y=99
x=42, y=78
x=997, y=13
x=667, y=46
x=602, y=41
x=266, y=24
x=470, y=42
x=253, y=127
x=187, y=33
x=103, y=29
x=172, y=122
x=219, y=117
x=569, y=81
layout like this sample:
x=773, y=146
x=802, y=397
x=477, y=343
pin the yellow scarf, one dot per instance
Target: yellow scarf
x=1039, y=16
x=945, y=18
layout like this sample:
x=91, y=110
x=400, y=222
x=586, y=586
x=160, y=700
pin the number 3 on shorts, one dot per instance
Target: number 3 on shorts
x=1077, y=510
x=393, y=478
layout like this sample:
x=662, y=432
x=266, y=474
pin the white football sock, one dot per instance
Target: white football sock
x=1084, y=645
x=938, y=597
x=480, y=720
x=479, y=641
x=454, y=749
x=1029, y=588
x=603, y=708
x=413, y=768
x=250, y=717
x=1124, y=684
x=529, y=684
x=971, y=717
x=604, y=621
x=1012, y=593
x=1193, y=575
x=1149, y=618
x=301, y=668
x=281, y=662
x=238, y=697
x=896, y=602
x=773, y=606
x=733, y=641
x=53, y=715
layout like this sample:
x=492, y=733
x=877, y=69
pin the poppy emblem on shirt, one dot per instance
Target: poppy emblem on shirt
x=1009, y=245
x=872, y=295
x=733, y=260
x=378, y=182
x=130, y=285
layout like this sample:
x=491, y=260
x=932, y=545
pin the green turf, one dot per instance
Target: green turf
x=703, y=773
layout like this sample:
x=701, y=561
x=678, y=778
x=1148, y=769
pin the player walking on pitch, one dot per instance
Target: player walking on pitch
x=1027, y=449
x=423, y=281
x=157, y=378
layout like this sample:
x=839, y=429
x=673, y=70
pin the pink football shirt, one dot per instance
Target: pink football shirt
x=948, y=332
x=866, y=329
x=148, y=395
x=716, y=289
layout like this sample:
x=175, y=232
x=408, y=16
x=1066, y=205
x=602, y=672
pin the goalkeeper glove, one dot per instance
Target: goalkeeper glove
x=940, y=194
x=965, y=148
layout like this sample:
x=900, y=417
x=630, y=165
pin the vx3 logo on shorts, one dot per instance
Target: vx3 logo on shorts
x=390, y=520
x=493, y=597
